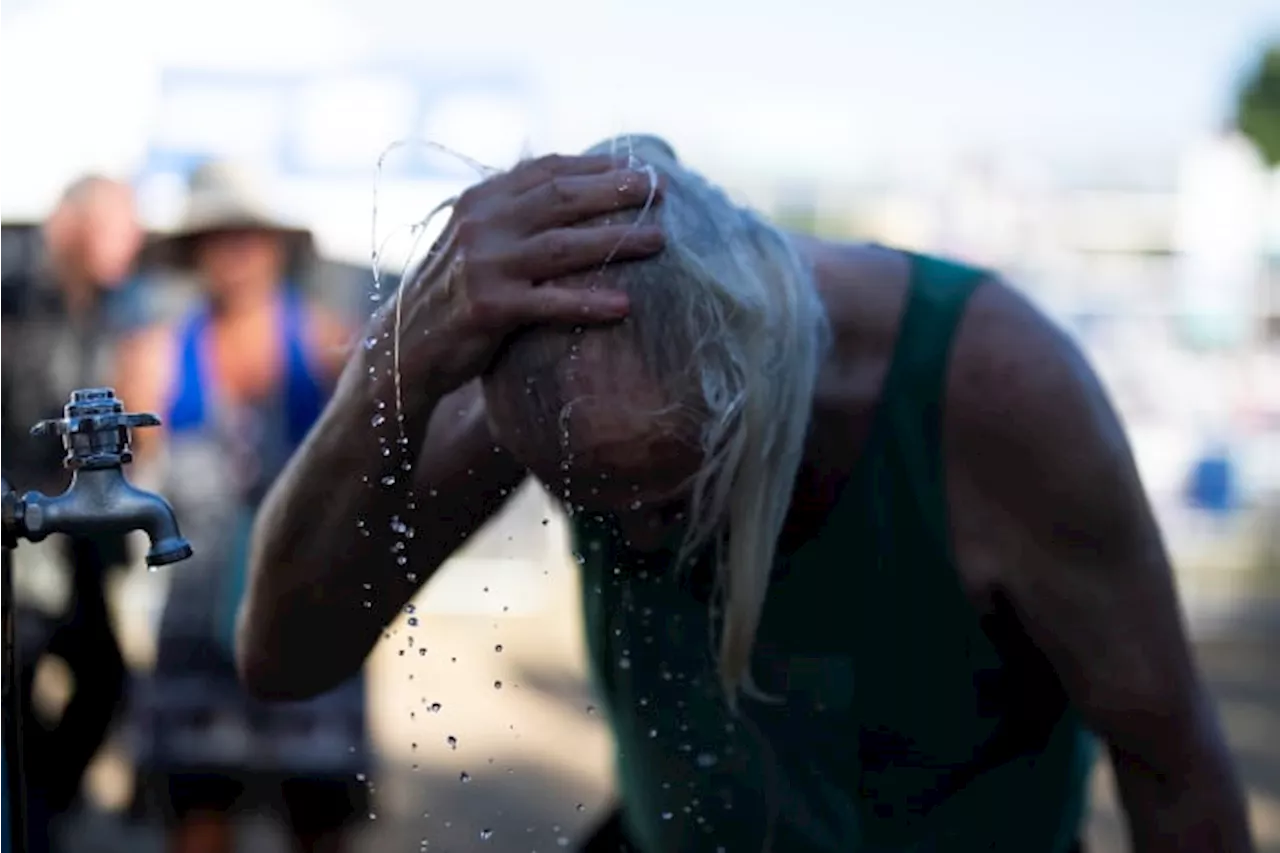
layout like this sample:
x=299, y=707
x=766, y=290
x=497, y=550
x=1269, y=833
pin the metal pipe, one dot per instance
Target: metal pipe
x=95, y=431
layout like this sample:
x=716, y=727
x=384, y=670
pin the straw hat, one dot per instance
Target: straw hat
x=224, y=196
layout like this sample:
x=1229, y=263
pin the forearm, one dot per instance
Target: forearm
x=323, y=581
x=1196, y=806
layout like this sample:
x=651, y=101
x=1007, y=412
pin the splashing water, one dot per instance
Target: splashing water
x=418, y=229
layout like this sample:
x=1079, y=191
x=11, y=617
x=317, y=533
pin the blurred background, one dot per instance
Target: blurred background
x=1115, y=160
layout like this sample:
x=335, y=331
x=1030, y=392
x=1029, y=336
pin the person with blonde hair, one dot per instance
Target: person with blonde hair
x=866, y=564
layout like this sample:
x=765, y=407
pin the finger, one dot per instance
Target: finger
x=530, y=173
x=551, y=304
x=571, y=199
x=564, y=251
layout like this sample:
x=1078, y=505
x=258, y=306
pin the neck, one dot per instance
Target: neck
x=79, y=297
x=76, y=290
x=250, y=302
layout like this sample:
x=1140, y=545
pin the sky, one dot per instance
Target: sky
x=811, y=87
x=1079, y=79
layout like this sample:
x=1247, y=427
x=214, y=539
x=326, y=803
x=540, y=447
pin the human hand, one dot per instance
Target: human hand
x=508, y=235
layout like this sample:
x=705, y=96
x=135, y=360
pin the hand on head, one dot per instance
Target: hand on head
x=509, y=235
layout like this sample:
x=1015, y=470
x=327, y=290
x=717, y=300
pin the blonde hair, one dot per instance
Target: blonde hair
x=728, y=320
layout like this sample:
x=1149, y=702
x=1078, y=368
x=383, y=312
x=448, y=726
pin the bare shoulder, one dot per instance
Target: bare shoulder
x=143, y=376
x=1036, y=454
x=144, y=364
x=1010, y=360
x=330, y=338
x=1019, y=380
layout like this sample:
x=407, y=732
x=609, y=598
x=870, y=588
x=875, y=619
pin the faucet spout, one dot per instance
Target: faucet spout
x=101, y=500
x=95, y=434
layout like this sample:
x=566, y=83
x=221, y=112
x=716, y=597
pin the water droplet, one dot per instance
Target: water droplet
x=377, y=421
x=706, y=759
x=591, y=709
x=498, y=648
x=636, y=504
x=497, y=685
x=580, y=807
x=390, y=479
x=667, y=815
x=624, y=663
x=465, y=777
x=370, y=342
x=434, y=708
x=486, y=834
x=413, y=621
x=452, y=741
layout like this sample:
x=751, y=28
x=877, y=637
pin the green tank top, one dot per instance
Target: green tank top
x=900, y=727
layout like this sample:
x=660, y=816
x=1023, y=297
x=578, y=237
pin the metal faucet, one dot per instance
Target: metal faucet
x=95, y=432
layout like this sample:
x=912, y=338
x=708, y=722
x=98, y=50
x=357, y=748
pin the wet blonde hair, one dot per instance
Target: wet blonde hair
x=728, y=321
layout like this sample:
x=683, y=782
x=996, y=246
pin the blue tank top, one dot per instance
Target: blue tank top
x=192, y=713
x=304, y=395
x=301, y=399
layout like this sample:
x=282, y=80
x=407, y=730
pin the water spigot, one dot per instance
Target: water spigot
x=95, y=432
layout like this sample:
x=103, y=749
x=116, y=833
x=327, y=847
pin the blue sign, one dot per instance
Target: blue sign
x=338, y=124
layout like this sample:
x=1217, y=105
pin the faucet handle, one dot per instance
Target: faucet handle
x=95, y=428
x=95, y=423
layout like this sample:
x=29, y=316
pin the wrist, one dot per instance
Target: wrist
x=385, y=373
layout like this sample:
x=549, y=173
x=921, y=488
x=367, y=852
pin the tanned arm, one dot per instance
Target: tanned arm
x=325, y=580
x=1074, y=546
x=332, y=560
x=142, y=376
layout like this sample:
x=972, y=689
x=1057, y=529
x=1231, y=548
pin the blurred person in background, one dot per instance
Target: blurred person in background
x=62, y=316
x=866, y=563
x=238, y=384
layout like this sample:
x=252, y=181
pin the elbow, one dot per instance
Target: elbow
x=259, y=681
x=274, y=665
x=269, y=678
x=264, y=673
x=259, y=670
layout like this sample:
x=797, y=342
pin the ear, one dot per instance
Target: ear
x=60, y=229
